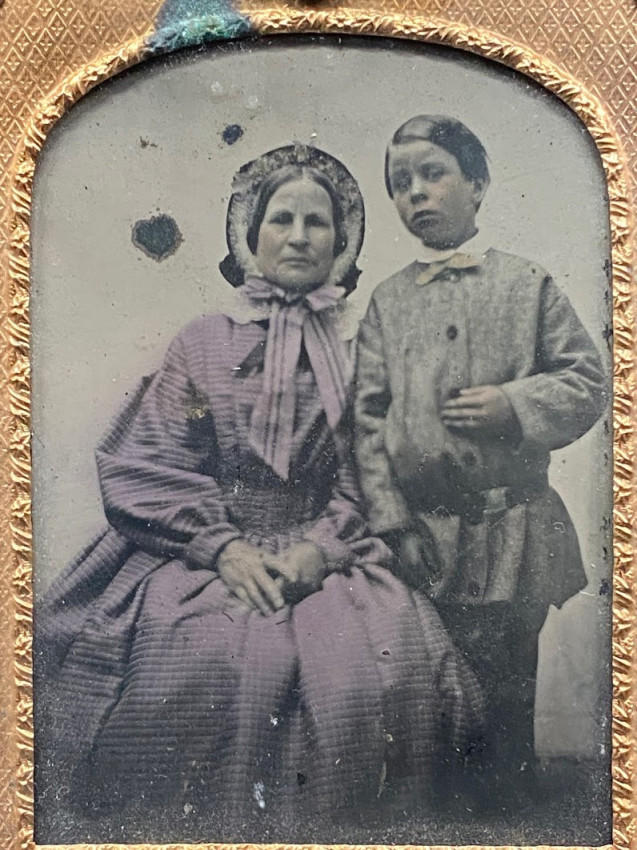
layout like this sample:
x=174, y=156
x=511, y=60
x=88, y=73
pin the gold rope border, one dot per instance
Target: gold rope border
x=346, y=22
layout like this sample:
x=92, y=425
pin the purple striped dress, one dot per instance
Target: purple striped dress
x=169, y=710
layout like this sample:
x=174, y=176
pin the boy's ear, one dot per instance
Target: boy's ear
x=480, y=187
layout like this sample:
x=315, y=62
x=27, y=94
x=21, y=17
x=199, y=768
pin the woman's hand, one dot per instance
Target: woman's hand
x=302, y=568
x=480, y=411
x=243, y=571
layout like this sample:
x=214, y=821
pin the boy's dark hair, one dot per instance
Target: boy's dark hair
x=449, y=134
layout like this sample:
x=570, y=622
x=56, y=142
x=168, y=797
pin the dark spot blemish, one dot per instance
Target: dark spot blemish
x=384, y=652
x=607, y=332
x=301, y=778
x=604, y=588
x=607, y=267
x=232, y=133
x=158, y=237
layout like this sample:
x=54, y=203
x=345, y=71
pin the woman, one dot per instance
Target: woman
x=234, y=651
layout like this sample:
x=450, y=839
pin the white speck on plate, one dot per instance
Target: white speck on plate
x=258, y=793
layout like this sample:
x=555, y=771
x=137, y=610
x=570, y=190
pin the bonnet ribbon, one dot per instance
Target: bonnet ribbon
x=296, y=320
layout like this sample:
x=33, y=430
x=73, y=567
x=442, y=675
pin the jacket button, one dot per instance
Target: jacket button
x=474, y=588
x=469, y=459
x=452, y=332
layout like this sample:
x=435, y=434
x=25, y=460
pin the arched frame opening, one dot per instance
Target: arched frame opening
x=343, y=23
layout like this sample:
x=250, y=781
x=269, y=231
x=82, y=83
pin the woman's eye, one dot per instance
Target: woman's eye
x=316, y=221
x=281, y=217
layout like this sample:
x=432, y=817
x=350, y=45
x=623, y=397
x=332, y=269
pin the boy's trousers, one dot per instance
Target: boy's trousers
x=500, y=642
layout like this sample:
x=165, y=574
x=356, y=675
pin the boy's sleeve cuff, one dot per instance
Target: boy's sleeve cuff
x=525, y=408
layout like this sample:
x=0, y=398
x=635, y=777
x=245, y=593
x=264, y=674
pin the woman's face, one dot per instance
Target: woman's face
x=295, y=248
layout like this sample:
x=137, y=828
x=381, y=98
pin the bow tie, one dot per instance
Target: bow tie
x=431, y=271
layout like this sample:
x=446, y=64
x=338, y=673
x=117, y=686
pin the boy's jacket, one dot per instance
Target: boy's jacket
x=501, y=532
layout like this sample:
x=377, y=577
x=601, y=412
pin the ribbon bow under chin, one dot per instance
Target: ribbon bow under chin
x=296, y=319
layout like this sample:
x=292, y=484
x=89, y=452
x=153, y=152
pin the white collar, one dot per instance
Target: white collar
x=475, y=246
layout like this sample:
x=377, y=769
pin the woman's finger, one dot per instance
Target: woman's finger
x=241, y=593
x=257, y=598
x=269, y=589
x=281, y=566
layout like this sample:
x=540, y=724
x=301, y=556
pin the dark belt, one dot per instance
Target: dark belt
x=473, y=505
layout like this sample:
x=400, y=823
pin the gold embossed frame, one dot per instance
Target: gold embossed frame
x=52, y=54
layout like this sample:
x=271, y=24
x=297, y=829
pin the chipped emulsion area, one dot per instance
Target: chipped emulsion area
x=232, y=133
x=158, y=237
x=179, y=24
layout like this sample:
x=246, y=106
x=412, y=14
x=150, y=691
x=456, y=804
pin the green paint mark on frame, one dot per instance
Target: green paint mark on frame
x=189, y=23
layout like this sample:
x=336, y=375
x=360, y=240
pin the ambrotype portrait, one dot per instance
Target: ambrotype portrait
x=343, y=570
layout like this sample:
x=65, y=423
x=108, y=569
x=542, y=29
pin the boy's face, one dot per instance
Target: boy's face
x=434, y=199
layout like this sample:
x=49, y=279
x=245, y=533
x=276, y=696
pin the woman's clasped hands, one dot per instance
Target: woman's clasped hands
x=266, y=582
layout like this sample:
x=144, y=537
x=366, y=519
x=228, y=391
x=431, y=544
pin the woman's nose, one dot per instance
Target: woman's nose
x=298, y=233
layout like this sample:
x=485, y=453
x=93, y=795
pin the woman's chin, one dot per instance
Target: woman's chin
x=297, y=283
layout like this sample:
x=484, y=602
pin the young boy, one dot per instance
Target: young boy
x=472, y=368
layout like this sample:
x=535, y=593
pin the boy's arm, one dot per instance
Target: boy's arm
x=387, y=508
x=569, y=392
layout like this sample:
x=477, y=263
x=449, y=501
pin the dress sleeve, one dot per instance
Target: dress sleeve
x=341, y=531
x=568, y=392
x=151, y=469
x=387, y=508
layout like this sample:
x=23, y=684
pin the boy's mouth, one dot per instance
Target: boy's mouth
x=425, y=217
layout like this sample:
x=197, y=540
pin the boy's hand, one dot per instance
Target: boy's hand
x=418, y=563
x=417, y=555
x=480, y=411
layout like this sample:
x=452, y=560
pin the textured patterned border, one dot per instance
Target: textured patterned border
x=344, y=22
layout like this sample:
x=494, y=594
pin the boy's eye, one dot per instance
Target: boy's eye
x=401, y=181
x=432, y=173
